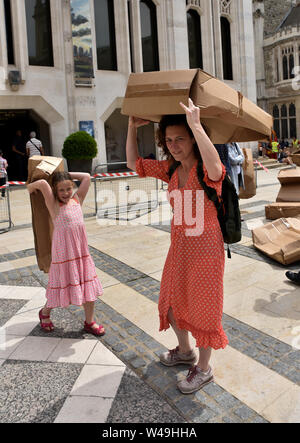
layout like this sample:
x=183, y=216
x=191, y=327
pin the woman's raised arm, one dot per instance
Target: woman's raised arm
x=132, y=151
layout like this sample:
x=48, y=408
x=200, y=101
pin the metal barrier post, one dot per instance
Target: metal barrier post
x=5, y=214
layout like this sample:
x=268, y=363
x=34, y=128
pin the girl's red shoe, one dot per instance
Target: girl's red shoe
x=48, y=327
x=96, y=331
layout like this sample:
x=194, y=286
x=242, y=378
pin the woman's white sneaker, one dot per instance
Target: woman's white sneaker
x=195, y=380
x=173, y=357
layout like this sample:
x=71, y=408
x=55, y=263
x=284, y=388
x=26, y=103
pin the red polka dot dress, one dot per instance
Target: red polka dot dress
x=192, y=279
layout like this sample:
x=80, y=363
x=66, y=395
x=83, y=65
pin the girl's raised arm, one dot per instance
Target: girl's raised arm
x=45, y=188
x=85, y=180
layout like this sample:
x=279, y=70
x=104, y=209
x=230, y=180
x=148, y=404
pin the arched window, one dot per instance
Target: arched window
x=292, y=120
x=195, y=41
x=149, y=36
x=9, y=33
x=285, y=68
x=39, y=32
x=284, y=122
x=276, y=120
x=291, y=66
x=226, y=49
x=105, y=35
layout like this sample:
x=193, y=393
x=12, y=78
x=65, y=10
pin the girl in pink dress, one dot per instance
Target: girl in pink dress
x=72, y=276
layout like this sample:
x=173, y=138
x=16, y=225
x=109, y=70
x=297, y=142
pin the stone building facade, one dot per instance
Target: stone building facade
x=42, y=88
x=277, y=49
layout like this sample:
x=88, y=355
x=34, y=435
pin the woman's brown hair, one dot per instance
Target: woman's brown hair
x=56, y=178
x=174, y=120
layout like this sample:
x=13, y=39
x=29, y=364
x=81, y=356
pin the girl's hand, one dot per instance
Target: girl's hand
x=192, y=114
x=135, y=122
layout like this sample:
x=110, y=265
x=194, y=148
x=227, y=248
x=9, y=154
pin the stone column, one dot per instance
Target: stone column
x=176, y=34
x=247, y=56
x=216, y=23
x=258, y=24
x=3, y=46
x=20, y=37
x=122, y=36
x=208, y=46
x=136, y=36
x=69, y=64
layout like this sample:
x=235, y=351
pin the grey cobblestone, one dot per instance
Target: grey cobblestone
x=138, y=363
x=244, y=413
x=227, y=401
x=129, y=355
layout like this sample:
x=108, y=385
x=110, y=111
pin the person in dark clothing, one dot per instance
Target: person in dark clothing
x=293, y=276
x=223, y=154
x=20, y=156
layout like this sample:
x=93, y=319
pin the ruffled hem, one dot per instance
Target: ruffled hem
x=215, y=340
x=77, y=295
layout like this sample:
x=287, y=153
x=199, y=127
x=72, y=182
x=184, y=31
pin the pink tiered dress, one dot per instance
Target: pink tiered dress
x=72, y=276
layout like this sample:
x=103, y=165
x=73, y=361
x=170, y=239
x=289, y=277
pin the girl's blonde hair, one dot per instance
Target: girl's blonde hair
x=56, y=178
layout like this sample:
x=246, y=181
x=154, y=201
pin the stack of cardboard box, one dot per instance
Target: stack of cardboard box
x=288, y=199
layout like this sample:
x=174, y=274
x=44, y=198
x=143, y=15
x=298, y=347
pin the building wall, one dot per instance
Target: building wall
x=51, y=91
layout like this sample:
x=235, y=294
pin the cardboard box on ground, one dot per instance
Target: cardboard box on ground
x=42, y=167
x=280, y=239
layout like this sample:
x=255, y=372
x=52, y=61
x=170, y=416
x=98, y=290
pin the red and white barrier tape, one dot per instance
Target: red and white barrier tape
x=102, y=174
x=262, y=166
x=16, y=183
x=116, y=174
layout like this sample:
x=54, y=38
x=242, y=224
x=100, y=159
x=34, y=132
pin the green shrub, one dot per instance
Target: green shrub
x=79, y=145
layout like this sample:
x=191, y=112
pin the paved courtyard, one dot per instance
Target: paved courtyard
x=70, y=376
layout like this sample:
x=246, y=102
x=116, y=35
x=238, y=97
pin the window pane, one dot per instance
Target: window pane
x=283, y=111
x=292, y=110
x=277, y=128
x=9, y=34
x=39, y=33
x=275, y=111
x=285, y=68
x=293, y=132
x=226, y=49
x=284, y=128
x=195, y=43
x=105, y=35
x=291, y=65
x=149, y=36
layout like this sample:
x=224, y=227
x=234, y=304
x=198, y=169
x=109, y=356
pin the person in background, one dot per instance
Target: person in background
x=3, y=173
x=20, y=156
x=284, y=156
x=295, y=144
x=34, y=146
x=236, y=160
x=223, y=154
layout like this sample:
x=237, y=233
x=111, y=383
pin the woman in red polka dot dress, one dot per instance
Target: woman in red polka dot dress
x=191, y=294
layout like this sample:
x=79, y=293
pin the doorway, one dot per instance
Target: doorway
x=25, y=121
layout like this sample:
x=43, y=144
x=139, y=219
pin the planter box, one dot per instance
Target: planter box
x=78, y=165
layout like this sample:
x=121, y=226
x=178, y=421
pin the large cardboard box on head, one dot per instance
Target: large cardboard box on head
x=279, y=240
x=290, y=185
x=41, y=167
x=226, y=112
